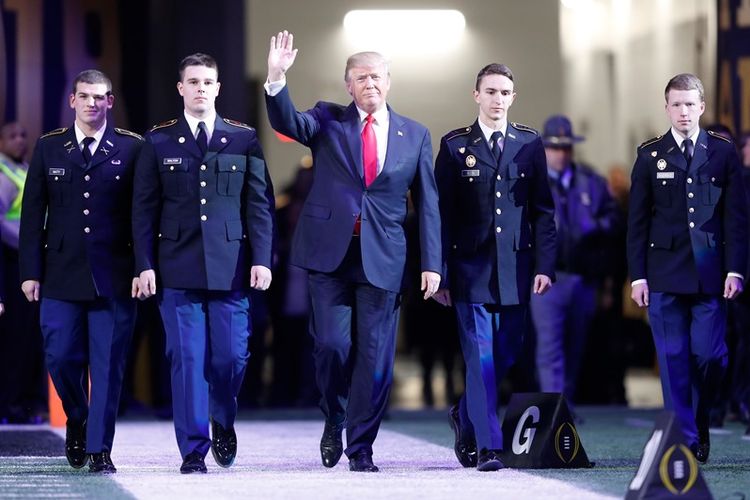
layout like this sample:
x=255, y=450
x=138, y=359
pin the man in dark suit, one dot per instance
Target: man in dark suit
x=687, y=250
x=76, y=254
x=498, y=246
x=202, y=227
x=351, y=239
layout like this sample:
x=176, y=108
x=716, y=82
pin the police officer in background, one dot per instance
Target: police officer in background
x=687, y=252
x=586, y=218
x=76, y=258
x=202, y=226
x=498, y=246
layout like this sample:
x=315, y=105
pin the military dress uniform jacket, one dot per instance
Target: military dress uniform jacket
x=199, y=221
x=687, y=226
x=339, y=195
x=498, y=226
x=75, y=235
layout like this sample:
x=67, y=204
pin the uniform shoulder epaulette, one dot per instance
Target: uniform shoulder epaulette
x=238, y=124
x=164, y=124
x=521, y=126
x=456, y=133
x=649, y=142
x=57, y=131
x=122, y=131
x=718, y=136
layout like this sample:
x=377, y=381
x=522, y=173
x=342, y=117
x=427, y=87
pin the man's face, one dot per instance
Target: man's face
x=13, y=141
x=199, y=88
x=369, y=86
x=684, y=108
x=495, y=97
x=91, y=101
x=558, y=158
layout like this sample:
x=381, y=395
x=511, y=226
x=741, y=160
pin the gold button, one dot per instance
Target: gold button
x=203, y=167
x=203, y=184
x=85, y=211
x=86, y=177
x=498, y=194
x=57, y=178
x=690, y=195
x=692, y=225
x=171, y=168
x=117, y=177
x=204, y=218
x=86, y=194
x=652, y=245
x=663, y=183
x=203, y=201
x=499, y=178
x=690, y=180
x=86, y=230
x=498, y=211
x=523, y=175
x=713, y=179
x=471, y=179
x=498, y=230
x=691, y=210
x=234, y=167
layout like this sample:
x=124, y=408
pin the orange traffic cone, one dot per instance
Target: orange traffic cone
x=57, y=416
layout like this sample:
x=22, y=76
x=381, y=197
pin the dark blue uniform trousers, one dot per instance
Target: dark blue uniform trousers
x=491, y=337
x=207, y=336
x=82, y=339
x=353, y=325
x=689, y=333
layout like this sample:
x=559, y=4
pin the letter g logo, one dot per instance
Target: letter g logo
x=532, y=412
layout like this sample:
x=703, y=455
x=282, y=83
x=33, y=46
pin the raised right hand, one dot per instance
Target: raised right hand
x=281, y=55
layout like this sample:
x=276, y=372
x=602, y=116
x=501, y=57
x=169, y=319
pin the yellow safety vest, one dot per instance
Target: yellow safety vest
x=17, y=177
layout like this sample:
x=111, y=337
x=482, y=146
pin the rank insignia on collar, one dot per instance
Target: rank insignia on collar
x=471, y=161
x=70, y=148
x=661, y=164
x=116, y=162
x=477, y=140
x=462, y=150
x=104, y=150
x=110, y=144
x=511, y=135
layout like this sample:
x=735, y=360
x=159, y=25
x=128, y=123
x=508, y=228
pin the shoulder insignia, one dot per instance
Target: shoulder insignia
x=718, y=136
x=238, y=124
x=57, y=131
x=167, y=123
x=456, y=133
x=650, y=141
x=122, y=131
x=526, y=128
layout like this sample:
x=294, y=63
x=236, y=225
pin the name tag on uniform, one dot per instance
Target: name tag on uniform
x=172, y=161
x=665, y=175
x=56, y=171
x=470, y=173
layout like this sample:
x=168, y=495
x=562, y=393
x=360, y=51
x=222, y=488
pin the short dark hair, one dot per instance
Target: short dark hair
x=92, y=76
x=493, y=69
x=685, y=81
x=197, y=59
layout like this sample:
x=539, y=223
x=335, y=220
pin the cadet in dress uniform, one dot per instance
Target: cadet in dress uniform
x=76, y=254
x=202, y=226
x=687, y=250
x=499, y=244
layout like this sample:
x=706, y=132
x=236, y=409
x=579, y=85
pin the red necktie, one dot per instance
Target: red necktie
x=369, y=152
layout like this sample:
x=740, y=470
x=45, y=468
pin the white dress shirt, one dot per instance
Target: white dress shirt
x=80, y=136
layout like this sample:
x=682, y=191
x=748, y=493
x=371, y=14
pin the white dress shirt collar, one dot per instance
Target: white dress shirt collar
x=193, y=122
x=487, y=131
x=80, y=136
x=678, y=138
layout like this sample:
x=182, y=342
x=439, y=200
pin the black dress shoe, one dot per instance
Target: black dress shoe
x=330, y=444
x=702, y=448
x=101, y=463
x=362, y=462
x=464, y=445
x=223, y=444
x=75, y=444
x=489, y=460
x=193, y=462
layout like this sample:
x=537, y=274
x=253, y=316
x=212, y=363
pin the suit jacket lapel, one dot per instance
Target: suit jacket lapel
x=478, y=148
x=396, y=135
x=354, y=140
x=219, y=139
x=700, y=153
x=673, y=152
x=184, y=137
x=511, y=147
x=106, y=149
x=72, y=149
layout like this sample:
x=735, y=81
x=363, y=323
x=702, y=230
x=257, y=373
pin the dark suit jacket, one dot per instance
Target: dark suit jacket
x=498, y=222
x=75, y=235
x=202, y=222
x=667, y=197
x=339, y=195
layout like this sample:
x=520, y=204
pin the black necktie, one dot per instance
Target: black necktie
x=202, y=138
x=86, y=150
x=688, y=150
x=496, y=144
